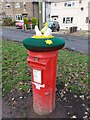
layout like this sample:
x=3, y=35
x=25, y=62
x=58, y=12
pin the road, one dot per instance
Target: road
x=77, y=43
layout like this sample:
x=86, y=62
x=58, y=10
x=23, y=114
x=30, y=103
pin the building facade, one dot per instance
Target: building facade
x=71, y=13
x=15, y=10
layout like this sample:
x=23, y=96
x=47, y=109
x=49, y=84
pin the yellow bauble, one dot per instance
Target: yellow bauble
x=46, y=24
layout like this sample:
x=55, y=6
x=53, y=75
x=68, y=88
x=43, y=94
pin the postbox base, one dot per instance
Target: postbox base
x=43, y=103
x=41, y=109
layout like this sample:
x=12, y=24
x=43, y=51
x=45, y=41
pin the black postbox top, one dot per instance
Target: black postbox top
x=43, y=44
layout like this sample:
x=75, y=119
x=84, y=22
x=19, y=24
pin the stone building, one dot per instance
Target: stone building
x=16, y=10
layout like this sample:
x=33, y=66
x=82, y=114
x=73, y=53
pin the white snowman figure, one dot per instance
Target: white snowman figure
x=48, y=32
x=38, y=32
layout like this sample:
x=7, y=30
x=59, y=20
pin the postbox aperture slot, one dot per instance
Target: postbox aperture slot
x=36, y=59
x=37, y=76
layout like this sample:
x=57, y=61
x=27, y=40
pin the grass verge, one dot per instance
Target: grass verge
x=72, y=69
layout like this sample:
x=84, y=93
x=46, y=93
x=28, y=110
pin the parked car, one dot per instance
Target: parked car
x=54, y=25
x=20, y=24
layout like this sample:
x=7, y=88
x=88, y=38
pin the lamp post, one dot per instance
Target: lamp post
x=40, y=14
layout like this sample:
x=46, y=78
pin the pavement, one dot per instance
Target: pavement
x=72, y=41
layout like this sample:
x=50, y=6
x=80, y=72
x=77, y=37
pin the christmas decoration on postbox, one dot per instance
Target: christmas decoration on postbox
x=42, y=57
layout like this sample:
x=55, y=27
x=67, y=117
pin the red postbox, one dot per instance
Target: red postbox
x=43, y=63
x=43, y=80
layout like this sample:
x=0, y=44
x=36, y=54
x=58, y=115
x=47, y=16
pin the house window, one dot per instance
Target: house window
x=18, y=17
x=17, y=5
x=7, y=5
x=8, y=16
x=69, y=4
x=68, y=20
x=63, y=20
x=87, y=20
x=65, y=4
x=73, y=3
x=71, y=19
x=80, y=1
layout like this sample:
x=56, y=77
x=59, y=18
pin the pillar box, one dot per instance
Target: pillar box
x=42, y=57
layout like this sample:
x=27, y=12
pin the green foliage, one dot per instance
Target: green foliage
x=73, y=69
x=13, y=23
x=26, y=22
x=25, y=87
x=74, y=88
x=34, y=22
x=7, y=86
x=8, y=22
x=13, y=65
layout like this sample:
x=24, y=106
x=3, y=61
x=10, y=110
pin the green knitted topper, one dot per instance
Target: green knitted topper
x=43, y=44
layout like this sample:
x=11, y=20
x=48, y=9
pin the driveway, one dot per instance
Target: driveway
x=77, y=43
